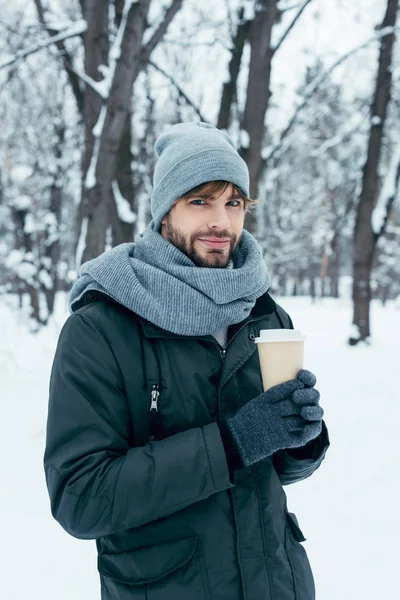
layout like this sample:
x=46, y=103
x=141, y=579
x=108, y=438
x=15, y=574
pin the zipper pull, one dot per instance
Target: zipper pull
x=222, y=353
x=154, y=398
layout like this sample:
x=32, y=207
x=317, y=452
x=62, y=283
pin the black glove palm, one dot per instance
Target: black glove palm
x=285, y=416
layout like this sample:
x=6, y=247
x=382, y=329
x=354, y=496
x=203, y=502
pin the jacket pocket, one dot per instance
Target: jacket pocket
x=170, y=570
x=303, y=580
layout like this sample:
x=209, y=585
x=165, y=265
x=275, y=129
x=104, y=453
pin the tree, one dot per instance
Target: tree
x=365, y=234
x=114, y=55
x=310, y=191
x=255, y=21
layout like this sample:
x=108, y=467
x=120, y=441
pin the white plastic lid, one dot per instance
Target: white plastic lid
x=280, y=335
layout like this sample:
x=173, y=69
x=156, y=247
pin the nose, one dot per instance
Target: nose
x=219, y=218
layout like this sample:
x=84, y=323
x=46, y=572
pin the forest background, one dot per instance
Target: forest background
x=309, y=90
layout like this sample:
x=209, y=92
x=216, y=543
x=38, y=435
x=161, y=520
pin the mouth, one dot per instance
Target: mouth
x=214, y=243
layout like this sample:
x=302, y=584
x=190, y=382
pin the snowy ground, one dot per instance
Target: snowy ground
x=345, y=509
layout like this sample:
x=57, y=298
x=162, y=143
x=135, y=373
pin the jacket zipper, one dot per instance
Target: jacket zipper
x=244, y=325
x=222, y=351
x=155, y=394
x=155, y=388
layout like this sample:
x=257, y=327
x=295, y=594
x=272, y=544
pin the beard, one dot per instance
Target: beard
x=212, y=258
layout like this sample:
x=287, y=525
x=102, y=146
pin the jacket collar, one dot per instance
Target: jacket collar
x=264, y=305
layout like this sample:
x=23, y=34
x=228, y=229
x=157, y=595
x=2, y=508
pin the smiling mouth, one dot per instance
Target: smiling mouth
x=214, y=244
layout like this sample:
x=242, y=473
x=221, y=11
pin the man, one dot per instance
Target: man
x=161, y=443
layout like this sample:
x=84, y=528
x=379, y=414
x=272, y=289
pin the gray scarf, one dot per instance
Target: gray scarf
x=158, y=282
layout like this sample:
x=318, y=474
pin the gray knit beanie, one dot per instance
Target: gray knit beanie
x=190, y=154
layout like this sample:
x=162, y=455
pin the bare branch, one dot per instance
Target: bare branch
x=180, y=90
x=160, y=32
x=292, y=24
x=66, y=58
x=77, y=29
x=387, y=195
x=314, y=85
x=289, y=8
x=40, y=11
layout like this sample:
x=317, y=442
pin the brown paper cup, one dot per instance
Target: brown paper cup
x=281, y=354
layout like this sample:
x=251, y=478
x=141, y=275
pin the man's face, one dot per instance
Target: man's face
x=194, y=223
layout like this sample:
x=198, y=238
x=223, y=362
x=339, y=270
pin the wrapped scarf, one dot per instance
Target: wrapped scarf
x=157, y=281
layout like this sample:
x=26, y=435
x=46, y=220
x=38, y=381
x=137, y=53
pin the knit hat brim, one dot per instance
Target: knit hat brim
x=216, y=164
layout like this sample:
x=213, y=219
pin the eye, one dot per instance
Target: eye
x=201, y=200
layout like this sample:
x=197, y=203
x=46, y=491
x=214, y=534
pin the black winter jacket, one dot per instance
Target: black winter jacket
x=134, y=459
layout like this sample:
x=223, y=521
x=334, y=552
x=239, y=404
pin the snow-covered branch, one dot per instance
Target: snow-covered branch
x=103, y=88
x=124, y=210
x=387, y=194
x=90, y=180
x=97, y=86
x=314, y=85
x=77, y=29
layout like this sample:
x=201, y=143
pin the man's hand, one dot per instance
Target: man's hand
x=287, y=415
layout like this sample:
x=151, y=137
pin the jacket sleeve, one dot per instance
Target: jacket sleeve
x=295, y=465
x=97, y=482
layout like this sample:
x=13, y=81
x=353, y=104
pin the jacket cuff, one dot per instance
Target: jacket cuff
x=314, y=449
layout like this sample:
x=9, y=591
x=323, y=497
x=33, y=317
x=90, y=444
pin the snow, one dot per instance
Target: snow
x=90, y=180
x=46, y=262
x=388, y=191
x=244, y=138
x=14, y=258
x=80, y=248
x=29, y=225
x=21, y=203
x=249, y=10
x=346, y=509
x=375, y=120
x=58, y=25
x=98, y=128
x=124, y=210
x=20, y=173
x=45, y=279
x=26, y=271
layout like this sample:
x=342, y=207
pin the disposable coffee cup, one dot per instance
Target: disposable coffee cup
x=281, y=354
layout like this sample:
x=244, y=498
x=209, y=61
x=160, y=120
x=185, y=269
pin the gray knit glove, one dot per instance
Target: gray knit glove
x=287, y=415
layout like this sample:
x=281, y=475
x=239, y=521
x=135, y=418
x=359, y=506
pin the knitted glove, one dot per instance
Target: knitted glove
x=285, y=416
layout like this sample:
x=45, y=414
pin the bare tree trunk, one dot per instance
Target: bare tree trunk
x=122, y=231
x=258, y=95
x=23, y=240
x=118, y=107
x=313, y=292
x=364, y=237
x=97, y=207
x=52, y=248
x=96, y=42
x=323, y=272
x=229, y=91
x=334, y=268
